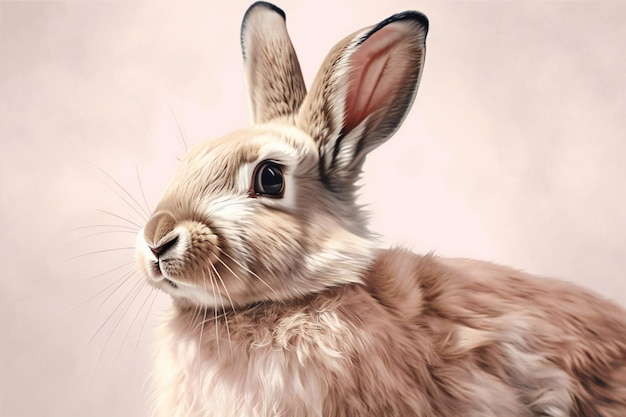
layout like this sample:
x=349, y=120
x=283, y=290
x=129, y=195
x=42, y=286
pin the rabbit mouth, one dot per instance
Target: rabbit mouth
x=169, y=284
x=157, y=276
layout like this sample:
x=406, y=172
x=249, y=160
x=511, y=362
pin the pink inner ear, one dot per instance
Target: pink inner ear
x=374, y=74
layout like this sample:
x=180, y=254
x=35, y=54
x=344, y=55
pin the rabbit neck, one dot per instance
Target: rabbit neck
x=270, y=354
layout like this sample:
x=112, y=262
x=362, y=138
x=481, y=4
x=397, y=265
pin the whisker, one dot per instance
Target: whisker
x=133, y=232
x=124, y=265
x=217, y=333
x=154, y=294
x=236, y=262
x=74, y=229
x=180, y=130
x=219, y=294
x=132, y=322
x=123, y=280
x=219, y=316
x=121, y=218
x=196, y=316
x=108, y=232
x=99, y=329
x=82, y=255
x=137, y=208
x=204, y=313
x=120, y=280
x=143, y=195
x=201, y=318
x=197, y=319
x=135, y=292
x=230, y=300
x=232, y=305
x=245, y=269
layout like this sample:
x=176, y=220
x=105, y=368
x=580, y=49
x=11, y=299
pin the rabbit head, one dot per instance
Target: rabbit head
x=269, y=212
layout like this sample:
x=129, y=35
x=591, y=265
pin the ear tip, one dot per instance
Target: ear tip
x=265, y=5
x=418, y=17
x=257, y=6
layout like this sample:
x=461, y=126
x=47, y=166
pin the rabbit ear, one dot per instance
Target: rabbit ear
x=275, y=84
x=363, y=92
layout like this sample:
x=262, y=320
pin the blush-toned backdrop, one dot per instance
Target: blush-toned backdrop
x=514, y=152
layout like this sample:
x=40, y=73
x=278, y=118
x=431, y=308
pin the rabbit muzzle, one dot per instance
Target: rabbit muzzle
x=179, y=257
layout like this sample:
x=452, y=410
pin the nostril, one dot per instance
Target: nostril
x=164, y=246
x=156, y=251
x=161, y=224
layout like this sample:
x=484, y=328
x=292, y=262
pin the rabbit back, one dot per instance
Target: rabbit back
x=551, y=340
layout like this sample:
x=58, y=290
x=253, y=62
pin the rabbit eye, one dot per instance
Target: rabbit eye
x=269, y=180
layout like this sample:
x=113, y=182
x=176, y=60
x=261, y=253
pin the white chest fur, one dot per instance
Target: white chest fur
x=269, y=369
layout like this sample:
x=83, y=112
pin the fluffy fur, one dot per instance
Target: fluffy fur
x=283, y=306
x=422, y=336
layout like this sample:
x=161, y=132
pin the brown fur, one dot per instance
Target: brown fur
x=430, y=337
x=283, y=306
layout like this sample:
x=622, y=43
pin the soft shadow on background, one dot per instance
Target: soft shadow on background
x=514, y=152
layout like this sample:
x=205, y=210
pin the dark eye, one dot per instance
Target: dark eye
x=269, y=180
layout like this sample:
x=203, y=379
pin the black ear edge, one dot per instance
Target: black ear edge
x=414, y=15
x=265, y=4
x=255, y=5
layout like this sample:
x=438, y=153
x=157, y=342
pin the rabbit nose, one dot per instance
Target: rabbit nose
x=158, y=232
x=163, y=246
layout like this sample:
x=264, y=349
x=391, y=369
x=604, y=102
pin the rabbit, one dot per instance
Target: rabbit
x=283, y=303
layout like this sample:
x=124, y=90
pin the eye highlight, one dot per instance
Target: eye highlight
x=268, y=180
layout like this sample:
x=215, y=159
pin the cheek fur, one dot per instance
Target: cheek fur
x=274, y=242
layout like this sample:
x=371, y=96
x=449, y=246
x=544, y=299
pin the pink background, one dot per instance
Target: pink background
x=514, y=152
